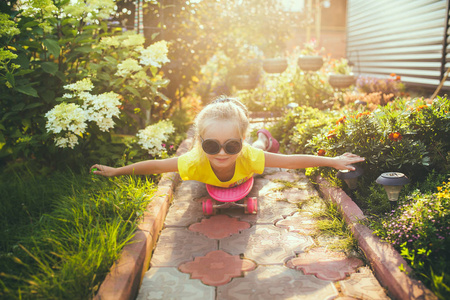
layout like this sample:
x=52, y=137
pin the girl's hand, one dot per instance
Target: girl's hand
x=103, y=170
x=345, y=161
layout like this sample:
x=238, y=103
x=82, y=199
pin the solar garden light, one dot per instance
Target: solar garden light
x=350, y=177
x=393, y=183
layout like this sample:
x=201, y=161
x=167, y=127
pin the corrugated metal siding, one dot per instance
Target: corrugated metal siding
x=404, y=37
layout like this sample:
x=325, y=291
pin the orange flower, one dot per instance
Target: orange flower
x=321, y=152
x=331, y=134
x=341, y=120
x=363, y=114
x=395, y=136
x=398, y=78
x=393, y=74
x=420, y=107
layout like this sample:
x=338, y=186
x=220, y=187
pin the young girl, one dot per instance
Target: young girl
x=220, y=157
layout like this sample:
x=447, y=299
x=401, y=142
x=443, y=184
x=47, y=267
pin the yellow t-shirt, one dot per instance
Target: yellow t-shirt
x=194, y=165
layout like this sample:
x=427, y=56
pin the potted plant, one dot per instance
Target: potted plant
x=341, y=74
x=310, y=58
x=275, y=65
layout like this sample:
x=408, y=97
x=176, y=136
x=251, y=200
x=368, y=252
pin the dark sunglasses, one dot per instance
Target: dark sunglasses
x=231, y=146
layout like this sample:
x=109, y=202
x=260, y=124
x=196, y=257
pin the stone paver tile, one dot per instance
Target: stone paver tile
x=183, y=213
x=300, y=222
x=190, y=190
x=268, y=212
x=296, y=195
x=363, y=285
x=266, y=244
x=271, y=188
x=325, y=264
x=219, y=227
x=169, y=283
x=276, y=282
x=326, y=240
x=285, y=176
x=271, y=170
x=258, y=184
x=178, y=245
x=217, y=267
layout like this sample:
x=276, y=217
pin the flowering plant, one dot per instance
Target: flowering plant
x=340, y=66
x=420, y=230
x=388, y=88
x=153, y=136
x=310, y=49
x=110, y=76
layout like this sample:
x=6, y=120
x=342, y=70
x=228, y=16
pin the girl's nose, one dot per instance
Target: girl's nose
x=222, y=151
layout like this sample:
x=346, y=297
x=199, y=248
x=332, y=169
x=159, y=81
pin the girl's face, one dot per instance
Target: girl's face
x=222, y=131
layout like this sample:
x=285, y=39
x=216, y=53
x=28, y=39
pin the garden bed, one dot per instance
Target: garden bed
x=384, y=259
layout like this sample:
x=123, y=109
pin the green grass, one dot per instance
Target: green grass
x=330, y=223
x=60, y=234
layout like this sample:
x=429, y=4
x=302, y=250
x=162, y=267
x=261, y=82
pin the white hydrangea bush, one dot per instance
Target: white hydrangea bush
x=67, y=121
x=101, y=109
x=153, y=136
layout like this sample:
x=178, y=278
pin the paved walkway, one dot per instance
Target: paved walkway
x=276, y=254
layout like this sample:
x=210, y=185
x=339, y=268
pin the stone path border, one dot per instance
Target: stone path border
x=384, y=259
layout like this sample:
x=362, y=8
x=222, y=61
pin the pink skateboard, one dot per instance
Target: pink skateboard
x=229, y=197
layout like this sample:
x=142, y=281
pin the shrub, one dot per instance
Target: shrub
x=298, y=126
x=420, y=229
x=393, y=137
x=109, y=77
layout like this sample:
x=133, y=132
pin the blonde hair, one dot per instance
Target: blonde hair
x=222, y=108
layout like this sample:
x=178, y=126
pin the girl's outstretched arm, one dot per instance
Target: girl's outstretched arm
x=301, y=161
x=146, y=167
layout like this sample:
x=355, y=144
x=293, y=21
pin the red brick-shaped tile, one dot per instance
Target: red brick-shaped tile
x=217, y=267
x=325, y=264
x=219, y=227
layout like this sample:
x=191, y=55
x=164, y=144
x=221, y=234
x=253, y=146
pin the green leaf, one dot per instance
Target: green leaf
x=10, y=78
x=33, y=105
x=110, y=59
x=18, y=107
x=52, y=46
x=133, y=91
x=23, y=61
x=83, y=49
x=27, y=90
x=31, y=24
x=49, y=67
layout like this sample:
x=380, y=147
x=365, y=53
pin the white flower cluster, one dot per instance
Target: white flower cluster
x=155, y=54
x=124, y=41
x=152, y=137
x=80, y=86
x=127, y=67
x=69, y=118
x=101, y=108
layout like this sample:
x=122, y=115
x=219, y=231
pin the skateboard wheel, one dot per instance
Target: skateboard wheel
x=208, y=208
x=251, y=205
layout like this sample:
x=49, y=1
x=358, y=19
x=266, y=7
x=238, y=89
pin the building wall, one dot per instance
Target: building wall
x=404, y=37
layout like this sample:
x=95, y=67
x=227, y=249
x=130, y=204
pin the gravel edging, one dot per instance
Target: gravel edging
x=384, y=259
